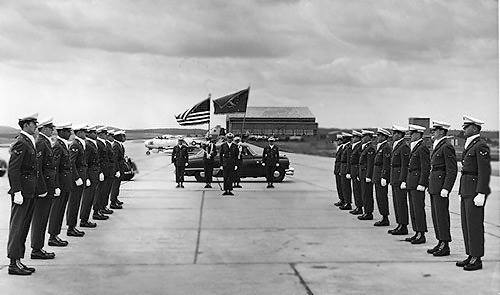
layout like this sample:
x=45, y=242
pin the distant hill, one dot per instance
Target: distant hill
x=8, y=130
x=150, y=133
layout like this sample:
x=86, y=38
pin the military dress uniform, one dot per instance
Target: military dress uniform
x=270, y=159
x=113, y=173
x=105, y=167
x=345, y=168
x=354, y=175
x=90, y=192
x=416, y=182
x=64, y=182
x=210, y=152
x=239, y=164
x=441, y=180
x=365, y=171
x=45, y=183
x=122, y=167
x=474, y=190
x=336, y=171
x=381, y=177
x=399, y=162
x=180, y=158
x=22, y=173
x=228, y=154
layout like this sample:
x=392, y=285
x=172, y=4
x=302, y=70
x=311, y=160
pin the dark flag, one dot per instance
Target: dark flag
x=232, y=103
x=199, y=114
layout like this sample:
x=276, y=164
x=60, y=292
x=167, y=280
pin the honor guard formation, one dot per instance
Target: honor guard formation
x=365, y=160
x=52, y=178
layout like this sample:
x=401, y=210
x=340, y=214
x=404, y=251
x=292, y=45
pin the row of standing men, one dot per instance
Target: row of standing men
x=365, y=159
x=49, y=179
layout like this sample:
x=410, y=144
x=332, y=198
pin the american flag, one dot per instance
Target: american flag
x=199, y=114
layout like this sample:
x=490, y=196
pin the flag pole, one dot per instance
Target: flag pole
x=245, y=115
x=209, y=111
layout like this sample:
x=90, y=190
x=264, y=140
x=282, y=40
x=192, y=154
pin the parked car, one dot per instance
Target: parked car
x=3, y=167
x=131, y=169
x=252, y=166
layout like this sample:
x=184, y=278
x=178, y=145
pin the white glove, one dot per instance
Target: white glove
x=221, y=167
x=42, y=195
x=348, y=176
x=444, y=193
x=235, y=168
x=117, y=174
x=420, y=188
x=79, y=182
x=479, y=200
x=18, y=199
x=101, y=177
x=187, y=164
x=87, y=183
x=277, y=164
x=57, y=192
x=368, y=179
x=383, y=182
x=403, y=185
x=263, y=164
x=357, y=178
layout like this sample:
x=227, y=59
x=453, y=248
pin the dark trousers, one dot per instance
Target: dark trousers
x=417, y=211
x=88, y=200
x=208, y=167
x=20, y=220
x=115, y=190
x=57, y=213
x=39, y=221
x=356, y=191
x=74, y=201
x=237, y=172
x=179, y=173
x=472, y=226
x=270, y=173
x=382, y=199
x=400, y=201
x=346, y=189
x=103, y=190
x=228, y=173
x=367, y=195
x=338, y=181
x=441, y=217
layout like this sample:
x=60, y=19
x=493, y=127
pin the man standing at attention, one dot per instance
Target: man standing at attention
x=180, y=159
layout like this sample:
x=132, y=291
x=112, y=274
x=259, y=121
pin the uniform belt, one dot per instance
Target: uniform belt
x=396, y=166
x=441, y=168
x=468, y=173
x=411, y=170
x=378, y=165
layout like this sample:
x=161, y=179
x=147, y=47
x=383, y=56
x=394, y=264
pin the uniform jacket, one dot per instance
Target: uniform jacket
x=476, y=169
x=270, y=156
x=345, y=166
x=102, y=153
x=366, y=161
x=92, y=158
x=62, y=164
x=419, y=167
x=112, y=165
x=228, y=154
x=399, y=163
x=120, y=157
x=78, y=160
x=354, y=160
x=180, y=155
x=443, y=168
x=211, y=152
x=382, y=163
x=22, y=169
x=338, y=160
x=46, y=166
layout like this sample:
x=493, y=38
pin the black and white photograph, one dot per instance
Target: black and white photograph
x=252, y=147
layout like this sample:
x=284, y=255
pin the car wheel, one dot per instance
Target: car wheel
x=198, y=177
x=148, y=152
x=128, y=176
x=3, y=165
x=279, y=175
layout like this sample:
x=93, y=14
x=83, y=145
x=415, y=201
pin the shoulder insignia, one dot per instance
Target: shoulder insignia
x=483, y=153
x=16, y=152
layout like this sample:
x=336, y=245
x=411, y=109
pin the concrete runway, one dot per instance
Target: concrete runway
x=289, y=240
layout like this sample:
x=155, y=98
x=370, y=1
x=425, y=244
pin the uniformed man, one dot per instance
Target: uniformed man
x=180, y=159
x=63, y=184
x=209, y=154
x=94, y=176
x=22, y=173
x=345, y=169
x=121, y=164
x=45, y=183
x=365, y=174
x=354, y=172
x=382, y=175
x=399, y=171
x=441, y=181
x=417, y=181
x=270, y=160
x=79, y=171
x=336, y=170
x=239, y=162
x=104, y=164
x=113, y=170
x=474, y=189
x=228, y=154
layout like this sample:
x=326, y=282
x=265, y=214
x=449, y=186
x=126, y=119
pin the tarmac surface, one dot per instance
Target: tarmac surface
x=287, y=240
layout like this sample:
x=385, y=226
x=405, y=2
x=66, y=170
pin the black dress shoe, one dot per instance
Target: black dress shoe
x=432, y=250
x=178, y=186
x=98, y=216
x=225, y=193
x=53, y=242
x=403, y=230
x=474, y=264
x=420, y=239
x=238, y=186
x=444, y=250
x=411, y=238
x=208, y=186
x=366, y=216
x=383, y=222
x=42, y=254
x=463, y=262
x=18, y=269
x=272, y=185
x=88, y=224
x=30, y=269
x=230, y=193
x=115, y=206
x=74, y=233
x=106, y=211
x=357, y=211
x=118, y=202
x=346, y=206
x=182, y=185
x=338, y=204
x=268, y=186
x=394, y=229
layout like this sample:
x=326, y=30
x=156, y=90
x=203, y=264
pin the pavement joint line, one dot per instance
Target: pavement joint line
x=301, y=279
x=147, y=173
x=196, y=250
x=314, y=184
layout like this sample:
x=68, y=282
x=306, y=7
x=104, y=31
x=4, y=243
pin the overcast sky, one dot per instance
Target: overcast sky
x=134, y=64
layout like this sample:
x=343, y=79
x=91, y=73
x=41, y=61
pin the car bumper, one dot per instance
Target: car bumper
x=290, y=171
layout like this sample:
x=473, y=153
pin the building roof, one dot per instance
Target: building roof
x=275, y=112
